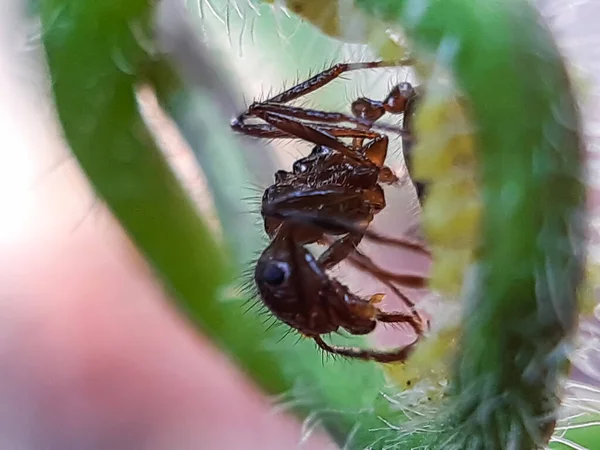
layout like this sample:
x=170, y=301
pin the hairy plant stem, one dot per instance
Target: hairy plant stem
x=521, y=310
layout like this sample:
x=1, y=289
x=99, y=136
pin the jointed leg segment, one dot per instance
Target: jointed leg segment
x=400, y=354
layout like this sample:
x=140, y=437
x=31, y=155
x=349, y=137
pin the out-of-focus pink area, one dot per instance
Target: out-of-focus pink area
x=92, y=355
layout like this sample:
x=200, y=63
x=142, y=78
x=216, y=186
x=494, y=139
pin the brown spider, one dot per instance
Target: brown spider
x=334, y=191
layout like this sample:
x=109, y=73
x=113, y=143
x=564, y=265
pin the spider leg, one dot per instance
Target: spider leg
x=363, y=262
x=317, y=81
x=260, y=130
x=339, y=250
x=327, y=76
x=375, y=151
x=291, y=120
x=417, y=323
x=414, y=318
x=268, y=131
x=392, y=281
x=285, y=127
x=399, y=354
x=259, y=110
x=310, y=133
x=328, y=222
x=402, y=99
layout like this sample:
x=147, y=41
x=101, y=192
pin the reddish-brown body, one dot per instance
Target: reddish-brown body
x=334, y=191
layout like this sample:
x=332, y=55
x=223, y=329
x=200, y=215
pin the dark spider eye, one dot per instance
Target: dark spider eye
x=281, y=176
x=299, y=167
x=406, y=89
x=274, y=274
x=321, y=150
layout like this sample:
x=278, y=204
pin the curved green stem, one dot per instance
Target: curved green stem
x=97, y=57
x=522, y=308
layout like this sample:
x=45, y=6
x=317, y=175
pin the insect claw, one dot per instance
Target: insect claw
x=387, y=175
x=376, y=298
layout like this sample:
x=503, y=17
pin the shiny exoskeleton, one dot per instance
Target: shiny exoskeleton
x=330, y=197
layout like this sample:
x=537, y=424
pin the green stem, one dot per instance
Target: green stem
x=523, y=307
x=96, y=62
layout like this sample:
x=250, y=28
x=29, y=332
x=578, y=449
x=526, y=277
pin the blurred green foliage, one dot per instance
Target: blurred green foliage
x=523, y=307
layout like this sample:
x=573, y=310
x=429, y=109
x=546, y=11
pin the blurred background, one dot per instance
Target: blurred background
x=65, y=350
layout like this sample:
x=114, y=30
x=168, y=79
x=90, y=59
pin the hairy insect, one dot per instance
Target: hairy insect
x=330, y=197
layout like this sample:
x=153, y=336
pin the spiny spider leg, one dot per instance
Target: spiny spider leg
x=261, y=130
x=343, y=132
x=400, y=354
x=259, y=110
x=362, y=261
x=268, y=131
x=402, y=99
x=415, y=319
x=325, y=135
x=310, y=133
x=345, y=248
x=310, y=85
x=339, y=250
x=330, y=222
x=280, y=126
x=327, y=76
